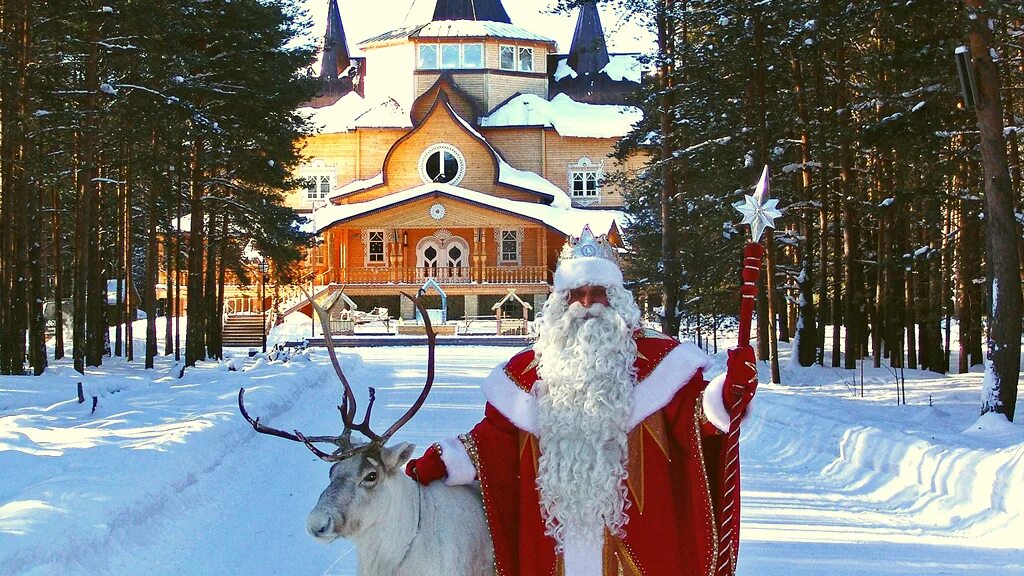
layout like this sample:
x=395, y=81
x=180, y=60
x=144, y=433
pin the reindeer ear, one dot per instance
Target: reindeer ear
x=395, y=456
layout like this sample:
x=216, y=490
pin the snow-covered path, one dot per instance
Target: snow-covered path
x=166, y=479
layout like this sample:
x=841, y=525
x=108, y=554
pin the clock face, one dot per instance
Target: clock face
x=437, y=211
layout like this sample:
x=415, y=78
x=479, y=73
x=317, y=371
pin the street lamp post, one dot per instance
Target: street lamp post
x=264, y=266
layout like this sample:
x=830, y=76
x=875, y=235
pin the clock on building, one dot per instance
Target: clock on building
x=437, y=211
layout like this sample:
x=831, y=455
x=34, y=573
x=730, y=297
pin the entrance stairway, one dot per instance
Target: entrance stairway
x=243, y=330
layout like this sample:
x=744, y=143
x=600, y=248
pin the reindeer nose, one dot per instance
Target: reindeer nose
x=319, y=524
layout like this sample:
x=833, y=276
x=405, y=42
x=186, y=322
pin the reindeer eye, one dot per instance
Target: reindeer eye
x=371, y=477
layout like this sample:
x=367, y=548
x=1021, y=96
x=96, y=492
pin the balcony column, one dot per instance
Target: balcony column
x=483, y=252
x=475, y=272
x=393, y=256
x=341, y=275
x=544, y=255
x=400, y=246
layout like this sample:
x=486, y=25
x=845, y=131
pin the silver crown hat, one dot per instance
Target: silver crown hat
x=588, y=261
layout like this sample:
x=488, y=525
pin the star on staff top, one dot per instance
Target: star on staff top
x=759, y=210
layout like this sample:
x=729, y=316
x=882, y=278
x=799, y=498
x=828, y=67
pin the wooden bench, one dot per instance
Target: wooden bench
x=420, y=330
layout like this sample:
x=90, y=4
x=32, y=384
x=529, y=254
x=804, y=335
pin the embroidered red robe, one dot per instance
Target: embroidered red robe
x=674, y=474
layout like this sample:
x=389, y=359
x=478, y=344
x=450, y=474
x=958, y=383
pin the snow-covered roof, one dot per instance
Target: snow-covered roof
x=567, y=116
x=567, y=220
x=353, y=111
x=357, y=185
x=623, y=67
x=620, y=67
x=511, y=176
x=458, y=29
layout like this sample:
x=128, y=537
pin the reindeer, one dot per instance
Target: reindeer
x=398, y=527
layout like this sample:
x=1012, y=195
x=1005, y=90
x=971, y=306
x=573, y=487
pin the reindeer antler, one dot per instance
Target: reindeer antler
x=348, y=403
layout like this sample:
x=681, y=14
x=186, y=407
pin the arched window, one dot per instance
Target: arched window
x=585, y=181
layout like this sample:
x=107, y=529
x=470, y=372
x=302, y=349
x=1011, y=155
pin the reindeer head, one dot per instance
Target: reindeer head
x=360, y=472
x=361, y=487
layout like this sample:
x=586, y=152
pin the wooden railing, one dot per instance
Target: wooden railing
x=445, y=275
x=515, y=274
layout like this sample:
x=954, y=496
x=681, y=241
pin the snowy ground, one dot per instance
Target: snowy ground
x=166, y=478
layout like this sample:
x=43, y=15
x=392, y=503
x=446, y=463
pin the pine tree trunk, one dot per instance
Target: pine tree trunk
x=1001, y=229
x=129, y=252
x=121, y=264
x=87, y=193
x=149, y=296
x=57, y=247
x=222, y=270
x=806, y=327
x=669, y=242
x=911, y=323
x=169, y=272
x=195, y=340
x=20, y=280
x=852, y=312
x=210, y=291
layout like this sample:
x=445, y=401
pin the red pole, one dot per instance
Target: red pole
x=729, y=520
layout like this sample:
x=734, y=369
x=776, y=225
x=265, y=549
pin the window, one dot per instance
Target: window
x=585, y=181
x=472, y=55
x=375, y=247
x=428, y=57
x=525, y=59
x=509, y=246
x=584, y=184
x=443, y=164
x=318, y=180
x=508, y=57
x=449, y=55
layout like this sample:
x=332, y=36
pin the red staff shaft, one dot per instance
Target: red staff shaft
x=752, y=254
x=729, y=521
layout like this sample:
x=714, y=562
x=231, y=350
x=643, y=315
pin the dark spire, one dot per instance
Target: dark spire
x=490, y=10
x=589, y=53
x=336, y=57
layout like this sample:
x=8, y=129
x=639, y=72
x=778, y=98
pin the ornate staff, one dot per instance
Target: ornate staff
x=759, y=211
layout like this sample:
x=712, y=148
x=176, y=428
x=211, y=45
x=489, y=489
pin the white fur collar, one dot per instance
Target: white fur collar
x=650, y=395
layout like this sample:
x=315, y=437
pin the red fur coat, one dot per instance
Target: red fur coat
x=674, y=470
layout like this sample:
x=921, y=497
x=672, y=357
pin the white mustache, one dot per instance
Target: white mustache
x=578, y=310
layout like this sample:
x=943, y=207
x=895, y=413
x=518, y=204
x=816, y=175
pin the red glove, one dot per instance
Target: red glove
x=740, y=380
x=428, y=467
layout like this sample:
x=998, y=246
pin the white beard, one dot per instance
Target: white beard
x=585, y=401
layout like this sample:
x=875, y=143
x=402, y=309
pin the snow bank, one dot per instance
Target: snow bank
x=83, y=481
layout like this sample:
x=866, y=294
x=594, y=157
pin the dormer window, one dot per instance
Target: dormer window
x=515, y=58
x=525, y=59
x=472, y=55
x=450, y=56
x=508, y=57
x=428, y=57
